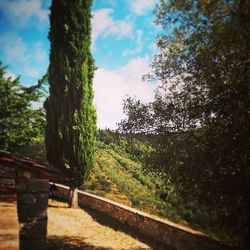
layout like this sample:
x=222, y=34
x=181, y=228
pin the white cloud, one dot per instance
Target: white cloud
x=14, y=49
x=104, y=25
x=141, y=7
x=139, y=45
x=40, y=54
x=9, y=74
x=154, y=49
x=36, y=105
x=21, y=12
x=31, y=72
x=112, y=86
x=31, y=59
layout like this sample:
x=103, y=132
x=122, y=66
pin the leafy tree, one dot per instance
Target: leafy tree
x=137, y=148
x=20, y=124
x=201, y=110
x=70, y=114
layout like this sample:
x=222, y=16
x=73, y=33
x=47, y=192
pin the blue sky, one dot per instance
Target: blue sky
x=123, y=44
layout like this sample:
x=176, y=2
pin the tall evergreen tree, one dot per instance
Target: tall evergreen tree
x=70, y=114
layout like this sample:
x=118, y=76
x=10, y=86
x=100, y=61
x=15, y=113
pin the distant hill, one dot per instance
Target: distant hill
x=118, y=177
x=120, y=174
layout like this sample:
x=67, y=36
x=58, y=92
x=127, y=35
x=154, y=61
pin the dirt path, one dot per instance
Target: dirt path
x=9, y=227
x=86, y=229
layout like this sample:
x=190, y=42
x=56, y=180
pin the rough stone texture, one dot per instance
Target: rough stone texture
x=31, y=244
x=38, y=185
x=174, y=236
x=7, y=172
x=7, y=178
x=32, y=203
x=21, y=176
x=27, y=174
x=21, y=180
x=33, y=230
x=32, y=197
x=7, y=182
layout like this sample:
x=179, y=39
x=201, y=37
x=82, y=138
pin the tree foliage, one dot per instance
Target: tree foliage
x=137, y=148
x=201, y=109
x=70, y=114
x=20, y=123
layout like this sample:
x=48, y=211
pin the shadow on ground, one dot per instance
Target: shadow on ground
x=116, y=225
x=70, y=243
x=75, y=243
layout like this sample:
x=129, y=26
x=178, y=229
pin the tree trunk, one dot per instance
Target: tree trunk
x=73, y=197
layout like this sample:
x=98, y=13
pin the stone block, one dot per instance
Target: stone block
x=28, y=213
x=35, y=229
x=1, y=172
x=26, y=174
x=26, y=199
x=9, y=173
x=31, y=205
x=22, y=174
x=42, y=199
x=31, y=244
x=21, y=186
x=32, y=235
x=21, y=178
x=38, y=185
x=5, y=182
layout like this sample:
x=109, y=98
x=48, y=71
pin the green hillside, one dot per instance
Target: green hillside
x=119, y=178
x=119, y=174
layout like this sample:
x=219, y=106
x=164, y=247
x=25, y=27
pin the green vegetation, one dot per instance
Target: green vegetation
x=118, y=176
x=70, y=114
x=132, y=145
x=119, y=171
x=200, y=116
x=184, y=156
x=20, y=124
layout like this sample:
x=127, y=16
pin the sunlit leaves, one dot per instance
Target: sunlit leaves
x=202, y=108
x=20, y=124
x=70, y=113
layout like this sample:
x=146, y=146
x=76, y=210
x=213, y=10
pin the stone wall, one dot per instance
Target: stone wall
x=172, y=235
x=32, y=203
x=7, y=179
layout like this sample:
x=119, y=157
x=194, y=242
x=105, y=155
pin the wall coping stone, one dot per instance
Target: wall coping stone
x=163, y=223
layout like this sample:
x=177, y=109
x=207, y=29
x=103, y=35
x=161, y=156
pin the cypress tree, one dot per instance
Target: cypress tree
x=71, y=116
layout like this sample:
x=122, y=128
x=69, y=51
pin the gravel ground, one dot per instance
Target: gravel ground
x=87, y=229
x=9, y=227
